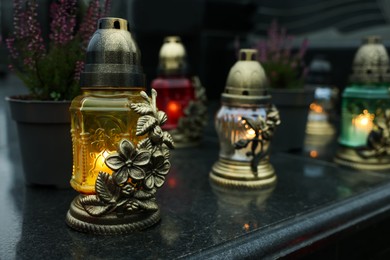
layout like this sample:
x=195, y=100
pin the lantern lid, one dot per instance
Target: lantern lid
x=113, y=57
x=367, y=92
x=246, y=83
x=371, y=63
x=172, y=57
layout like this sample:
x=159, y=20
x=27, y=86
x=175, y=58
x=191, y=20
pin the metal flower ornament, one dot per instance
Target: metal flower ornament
x=378, y=140
x=263, y=131
x=137, y=170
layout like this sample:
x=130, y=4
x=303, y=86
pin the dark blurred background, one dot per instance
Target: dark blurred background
x=212, y=29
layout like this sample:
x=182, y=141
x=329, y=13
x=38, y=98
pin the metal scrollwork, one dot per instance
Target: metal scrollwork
x=264, y=130
x=138, y=171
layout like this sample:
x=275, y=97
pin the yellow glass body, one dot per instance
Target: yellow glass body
x=100, y=118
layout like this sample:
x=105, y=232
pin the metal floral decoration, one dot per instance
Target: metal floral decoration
x=264, y=130
x=126, y=198
x=364, y=132
x=378, y=140
x=245, y=124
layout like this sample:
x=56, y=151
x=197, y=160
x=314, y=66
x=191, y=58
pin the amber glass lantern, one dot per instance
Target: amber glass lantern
x=180, y=95
x=245, y=124
x=364, y=134
x=120, y=153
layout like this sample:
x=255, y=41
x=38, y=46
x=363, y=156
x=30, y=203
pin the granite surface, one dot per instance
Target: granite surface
x=312, y=201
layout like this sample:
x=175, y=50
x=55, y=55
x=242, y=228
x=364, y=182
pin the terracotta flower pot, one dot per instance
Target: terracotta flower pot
x=293, y=106
x=45, y=142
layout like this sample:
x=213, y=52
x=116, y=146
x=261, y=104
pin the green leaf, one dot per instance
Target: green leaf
x=142, y=108
x=94, y=206
x=145, y=124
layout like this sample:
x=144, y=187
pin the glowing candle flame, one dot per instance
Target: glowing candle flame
x=316, y=108
x=364, y=121
x=99, y=163
x=313, y=154
x=250, y=133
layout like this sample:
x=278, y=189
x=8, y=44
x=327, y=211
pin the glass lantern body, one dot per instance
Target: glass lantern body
x=99, y=120
x=360, y=106
x=174, y=95
x=231, y=128
x=320, y=108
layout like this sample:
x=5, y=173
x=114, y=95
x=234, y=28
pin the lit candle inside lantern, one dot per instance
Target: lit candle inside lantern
x=317, y=113
x=99, y=163
x=364, y=100
x=316, y=108
x=362, y=125
x=173, y=84
x=313, y=154
x=114, y=113
x=174, y=111
x=101, y=116
x=245, y=124
x=250, y=133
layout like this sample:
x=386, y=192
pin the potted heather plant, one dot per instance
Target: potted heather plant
x=50, y=69
x=286, y=72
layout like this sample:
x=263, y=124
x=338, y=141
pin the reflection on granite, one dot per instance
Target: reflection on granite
x=198, y=220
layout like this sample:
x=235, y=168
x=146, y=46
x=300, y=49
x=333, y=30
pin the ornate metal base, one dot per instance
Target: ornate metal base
x=109, y=224
x=319, y=128
x=240, y=175
x=349, y=157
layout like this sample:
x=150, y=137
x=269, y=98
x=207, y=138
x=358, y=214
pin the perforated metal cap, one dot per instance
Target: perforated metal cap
x=246, y=82
x=173, y=56
x=371, y=62
x=113, y=57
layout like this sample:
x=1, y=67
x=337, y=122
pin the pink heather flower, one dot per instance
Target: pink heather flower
x=262, y=51
x=10, y=46
x=94, y=13
x=78, y=69
x=63, y=15
x=28, y=62
x=27, y=28
x=31, y=59
x=88, y=25
x=107, y=8
x=303, y=49
x=275, y=52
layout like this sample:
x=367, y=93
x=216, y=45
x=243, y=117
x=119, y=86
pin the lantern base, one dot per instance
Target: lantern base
x=349, y=157
x=240, y=175
x=110, y=224
x=319, y=128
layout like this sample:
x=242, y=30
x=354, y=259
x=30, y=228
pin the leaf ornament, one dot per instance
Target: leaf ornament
x=168, y=140
x=145, y=124
x=105, y=189
x=142, y=108
x=95, y=207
